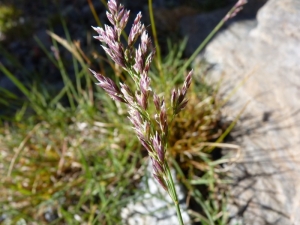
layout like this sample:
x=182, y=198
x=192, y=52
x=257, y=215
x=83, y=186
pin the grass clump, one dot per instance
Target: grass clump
x=64, y=157
x=53, y=171
x=70, y=157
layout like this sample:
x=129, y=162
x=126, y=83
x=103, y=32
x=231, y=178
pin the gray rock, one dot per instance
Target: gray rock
x=265, y=56
x=155, y=206
x=197, y=27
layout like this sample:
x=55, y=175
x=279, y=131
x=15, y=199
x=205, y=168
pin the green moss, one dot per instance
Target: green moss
x=9, y=17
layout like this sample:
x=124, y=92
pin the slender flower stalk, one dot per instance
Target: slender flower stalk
x=178, y=97
x=232, y=12
x=235, y=10
x=151, y=130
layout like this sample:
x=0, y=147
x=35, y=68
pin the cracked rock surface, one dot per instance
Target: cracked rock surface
x=261, y=57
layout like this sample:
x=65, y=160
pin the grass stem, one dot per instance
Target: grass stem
x=203, y=44
x=157, y=47
x=199, y=49
x=173, y=194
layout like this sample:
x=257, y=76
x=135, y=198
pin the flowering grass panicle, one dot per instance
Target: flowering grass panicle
x=151, y=130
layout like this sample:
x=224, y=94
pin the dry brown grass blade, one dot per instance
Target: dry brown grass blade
x=62, y=158
x=77, y=45
x=94, y=13
x=69, y=46
x=199, y=165
x=20, y=148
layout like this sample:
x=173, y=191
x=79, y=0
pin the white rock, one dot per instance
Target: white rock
x=267, y=189
x=155, y=206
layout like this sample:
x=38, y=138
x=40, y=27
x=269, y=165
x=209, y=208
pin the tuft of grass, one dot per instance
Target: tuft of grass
x=193, y=142
x=64, y=158
x=66, y=167
x=68, y=156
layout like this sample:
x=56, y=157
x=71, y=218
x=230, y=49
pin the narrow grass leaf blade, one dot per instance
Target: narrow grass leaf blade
x=18, y=83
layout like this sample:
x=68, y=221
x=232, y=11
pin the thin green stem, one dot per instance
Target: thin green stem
x=153, y=27
x=92, y=8
x=173, y=194
x=200, y=47
x=203, y=44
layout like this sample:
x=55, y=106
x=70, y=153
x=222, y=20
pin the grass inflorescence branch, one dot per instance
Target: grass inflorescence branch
x=151, y=130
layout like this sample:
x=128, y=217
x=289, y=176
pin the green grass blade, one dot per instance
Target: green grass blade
x=75, y=63
x=47, y=52
x=157, y=47
x=16, y=82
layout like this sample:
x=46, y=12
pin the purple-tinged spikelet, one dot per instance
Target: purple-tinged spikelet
x=161, y=181
x=158, y=147
x=142, y=101
x=109, y=87
x=136, y=30
x=112, y=6
x=135, y=117
x=158, y=169
x=145, y=84
x=145, y=89
x=145, y=42
x=139, y=61
x=235, y=10
x=163, y=120
x=178, y=97
x=117, y=16
x=124, y=20
x=187, y=83
x=156, y=101
x=127, y=93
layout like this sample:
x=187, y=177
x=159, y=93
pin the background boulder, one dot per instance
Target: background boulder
x=263, y=55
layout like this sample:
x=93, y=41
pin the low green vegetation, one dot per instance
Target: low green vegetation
x=71, y=157
x=9, y=17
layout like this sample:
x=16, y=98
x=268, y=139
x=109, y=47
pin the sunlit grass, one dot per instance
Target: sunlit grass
x=68, y=165
x=70, y=157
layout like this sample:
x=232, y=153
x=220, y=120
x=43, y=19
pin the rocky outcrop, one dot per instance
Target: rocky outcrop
x=263, y=56
x=155, y=206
